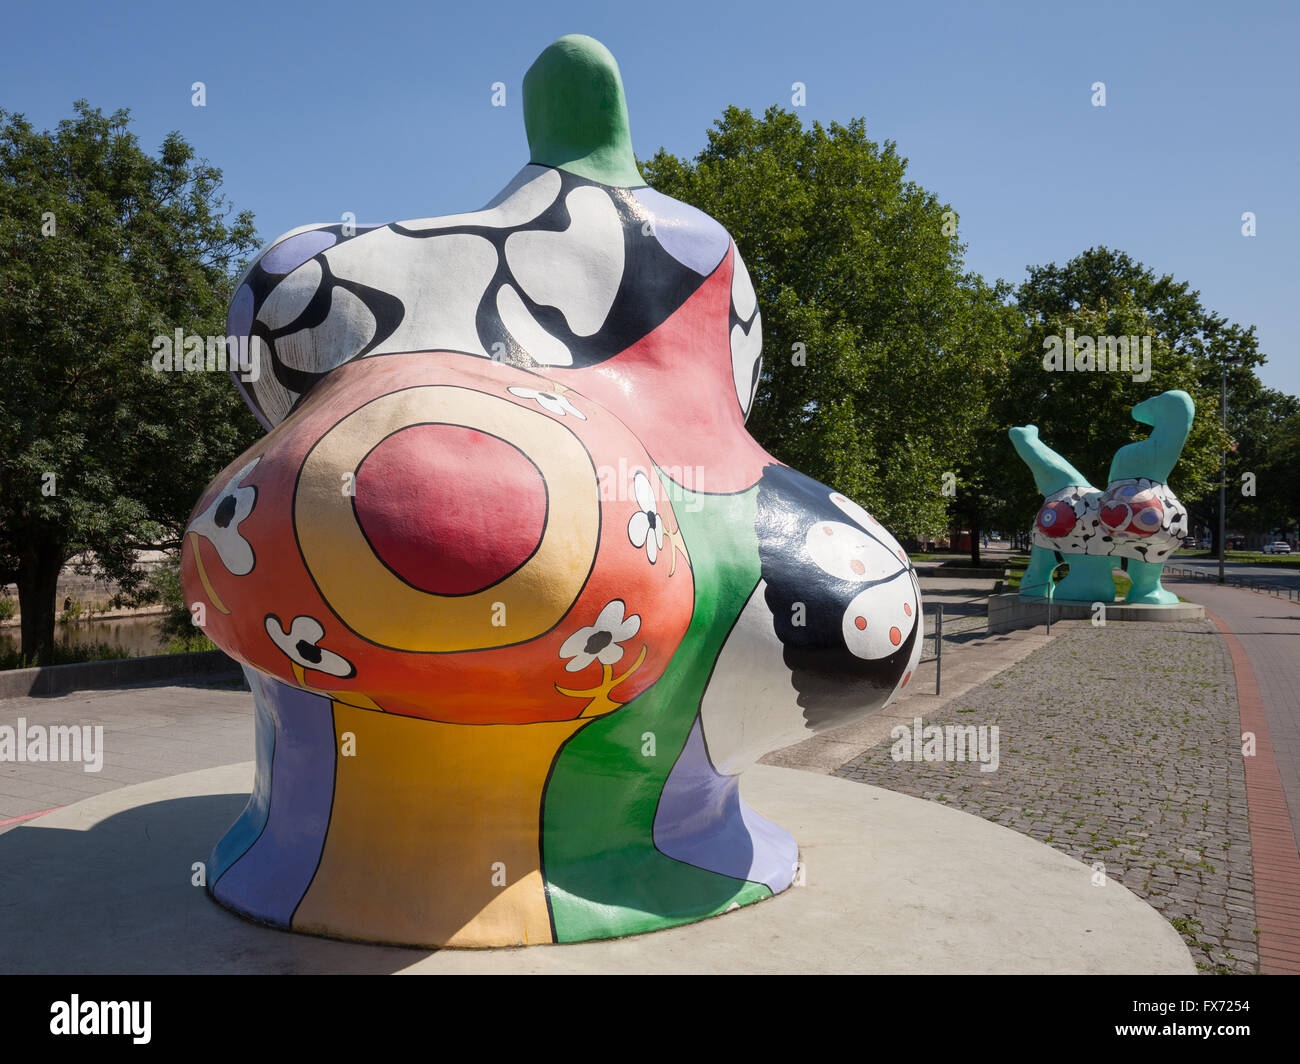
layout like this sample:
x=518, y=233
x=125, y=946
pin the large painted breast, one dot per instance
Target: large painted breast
x=556, y=271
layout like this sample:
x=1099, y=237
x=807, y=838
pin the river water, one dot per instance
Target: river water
x=138, y=636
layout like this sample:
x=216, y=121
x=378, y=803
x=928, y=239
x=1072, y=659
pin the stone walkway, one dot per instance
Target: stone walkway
x=965, y=606
x=1269, y=630
x=149, y=733
x=1260, y=633
x=1136, y=772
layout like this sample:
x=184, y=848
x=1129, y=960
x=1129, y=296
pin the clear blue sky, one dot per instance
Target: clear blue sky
x=383, y=108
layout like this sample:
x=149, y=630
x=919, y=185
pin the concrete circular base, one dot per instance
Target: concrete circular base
x=892, y=884
x=1010, y=611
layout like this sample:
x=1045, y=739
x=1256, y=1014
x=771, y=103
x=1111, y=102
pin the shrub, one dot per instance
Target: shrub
x=66, y=655
x=176, y=626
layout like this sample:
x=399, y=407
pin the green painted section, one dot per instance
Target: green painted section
x=604, y=875
x=1170, y=415
x=1051, y=471
x=1089, y=579
x=575, y=112
x=1041, y=563
x=1147, y=588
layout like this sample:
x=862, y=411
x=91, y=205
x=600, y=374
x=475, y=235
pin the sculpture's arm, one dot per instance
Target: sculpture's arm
x=1170, y=415
x=1051, y=471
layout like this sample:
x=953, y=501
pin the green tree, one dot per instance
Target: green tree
x=981, y=491
x=877, y=345
x=1266, y=453
x=1284, y=478
x=102, y=248
x=1086, y=416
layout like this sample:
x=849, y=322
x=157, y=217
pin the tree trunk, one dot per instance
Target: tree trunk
x=38, y=580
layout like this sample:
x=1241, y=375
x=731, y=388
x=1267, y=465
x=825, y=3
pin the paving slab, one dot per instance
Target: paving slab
x=1269, y=630
x=149, y=732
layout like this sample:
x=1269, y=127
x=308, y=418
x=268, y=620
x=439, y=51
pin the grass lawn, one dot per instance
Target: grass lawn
x=1020, y=563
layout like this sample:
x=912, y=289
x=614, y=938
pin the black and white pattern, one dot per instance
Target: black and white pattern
x=843, y=596
x=219, y=523
x=300, y=643
x=1134, y=518
x=746, y=335
x=556, y=271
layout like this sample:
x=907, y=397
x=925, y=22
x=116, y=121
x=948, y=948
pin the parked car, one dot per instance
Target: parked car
x=1280, y=547
x=1189, y=542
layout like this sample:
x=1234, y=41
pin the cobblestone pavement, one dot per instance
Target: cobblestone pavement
x=1138, y=768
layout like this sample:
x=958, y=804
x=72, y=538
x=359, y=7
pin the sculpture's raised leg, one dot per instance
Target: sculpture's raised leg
x=1041, y=563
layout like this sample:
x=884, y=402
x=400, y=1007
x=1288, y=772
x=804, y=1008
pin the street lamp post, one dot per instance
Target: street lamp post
x=1223, y=479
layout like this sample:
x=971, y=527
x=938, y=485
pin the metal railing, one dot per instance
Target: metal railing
x=1250, y=583
x=937, y=610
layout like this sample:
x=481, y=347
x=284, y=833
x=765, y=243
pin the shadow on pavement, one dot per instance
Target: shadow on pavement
x=118, y=898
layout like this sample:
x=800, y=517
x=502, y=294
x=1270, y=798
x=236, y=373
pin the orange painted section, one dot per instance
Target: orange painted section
x=584, y=562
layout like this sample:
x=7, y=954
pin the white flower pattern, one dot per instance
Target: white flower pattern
x=549, y=401
x=300, y=645
x=219, y=523
x=602, y=640
x=646, y=528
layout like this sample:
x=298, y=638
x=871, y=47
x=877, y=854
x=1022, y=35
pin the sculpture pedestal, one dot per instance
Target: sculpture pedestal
x=1008, y=612
x=893, y=884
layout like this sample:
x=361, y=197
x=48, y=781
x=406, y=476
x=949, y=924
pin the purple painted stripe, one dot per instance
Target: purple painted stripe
x=289, y=254
x=273, y=875
x=687, y=234
x=701, y=820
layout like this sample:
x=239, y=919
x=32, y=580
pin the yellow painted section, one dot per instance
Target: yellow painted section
x=378, y=606
x=356, y=698
x=426, y=816
x=203, y=574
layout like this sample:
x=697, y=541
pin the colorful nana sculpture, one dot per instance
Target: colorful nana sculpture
x=1135, y=524
x=518, y=596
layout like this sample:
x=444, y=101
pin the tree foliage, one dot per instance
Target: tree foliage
x=860, y=269
x=915, y=368
x=103, y=247
x=1085, y=415
x=1263, y=481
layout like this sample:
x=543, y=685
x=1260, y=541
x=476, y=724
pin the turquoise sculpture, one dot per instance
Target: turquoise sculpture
x=1135, y=524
